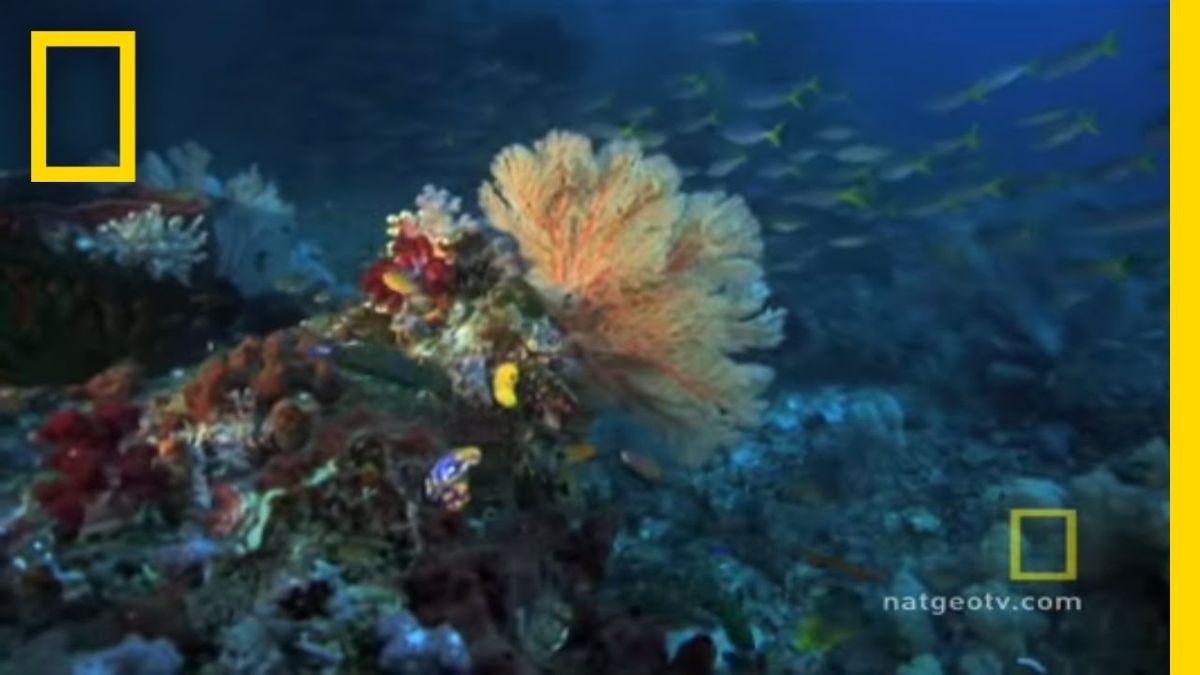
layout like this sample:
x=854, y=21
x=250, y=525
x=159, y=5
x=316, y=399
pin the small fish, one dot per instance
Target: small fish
x=630, y=130
x=1081, y=57
x=597, y=105
x=690, y=87
x=979, y=90
x=453, y=466
x=648, y=139
x=446, y=482
x=398, y=282
x=851, y=241
x=856, y=197
x=1033, y=665
x=1135, y=220
x=1083, y=124
x=752, y=134
x=293, y=284
x=777, y=170
x=862, y=153
x=578, y=453
x=642, y=466
x=839, y=565
x=804, y=155
x=1123, y=169
x=723, y=167
x=835, y=134
x=733, y=38
x=799, y=264
x=854, y=173
x=1043, y=118
x=970, y=140
x=1006, y=76
x=996, y=188
x=504, y=384
x=787, y=226
x=1118, y=269
x=817, y=198
x=321, y=350
x=792, y=97
x=951, y=102
x=642, y=114
x=906, y=169
x=452, y=497
x=603, y=131
x=711, y=120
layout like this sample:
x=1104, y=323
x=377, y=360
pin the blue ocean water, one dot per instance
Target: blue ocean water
x=499, y=453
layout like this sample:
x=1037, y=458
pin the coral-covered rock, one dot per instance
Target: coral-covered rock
x=113, y=385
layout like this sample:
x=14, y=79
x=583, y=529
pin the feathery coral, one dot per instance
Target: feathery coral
x=656, y=288
x=164, y=247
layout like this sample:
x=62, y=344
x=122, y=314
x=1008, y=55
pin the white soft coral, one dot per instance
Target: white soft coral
x=162, y=247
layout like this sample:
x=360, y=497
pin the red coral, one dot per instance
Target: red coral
x=438, y=277
x=412, y=255
x=378, y=292
x=411, y=251
x=64, y=504
x=140, y=479
x=114, y=420
x=86, y=451
x=63, y=426
x=80, y=464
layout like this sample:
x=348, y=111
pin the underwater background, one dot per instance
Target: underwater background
x=590, y=336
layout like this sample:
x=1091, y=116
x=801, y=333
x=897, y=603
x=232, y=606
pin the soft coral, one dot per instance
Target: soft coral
x=87, y=454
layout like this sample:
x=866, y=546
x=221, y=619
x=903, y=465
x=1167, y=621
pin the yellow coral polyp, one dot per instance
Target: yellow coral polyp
x=657, y=289
x=504, y=384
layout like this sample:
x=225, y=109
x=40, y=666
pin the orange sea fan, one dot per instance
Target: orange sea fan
x=656, y=288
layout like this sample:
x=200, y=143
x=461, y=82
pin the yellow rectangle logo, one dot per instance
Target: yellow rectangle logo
x=1070, y=537
x=126, y=169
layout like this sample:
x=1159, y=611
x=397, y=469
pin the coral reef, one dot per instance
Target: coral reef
x=433, y=480
x=655, y=288
x=450, y=294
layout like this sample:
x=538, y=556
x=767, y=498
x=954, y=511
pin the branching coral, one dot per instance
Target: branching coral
x=163, y=247
x=657, y=288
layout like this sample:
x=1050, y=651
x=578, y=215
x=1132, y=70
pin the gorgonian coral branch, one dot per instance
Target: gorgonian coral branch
x=655, y=287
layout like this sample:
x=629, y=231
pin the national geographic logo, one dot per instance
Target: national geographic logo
x=1016, y=571
x=126, y=168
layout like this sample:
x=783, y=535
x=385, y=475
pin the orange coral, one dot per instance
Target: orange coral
x=657, y=288
x=116, y=384
x=272, y=368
